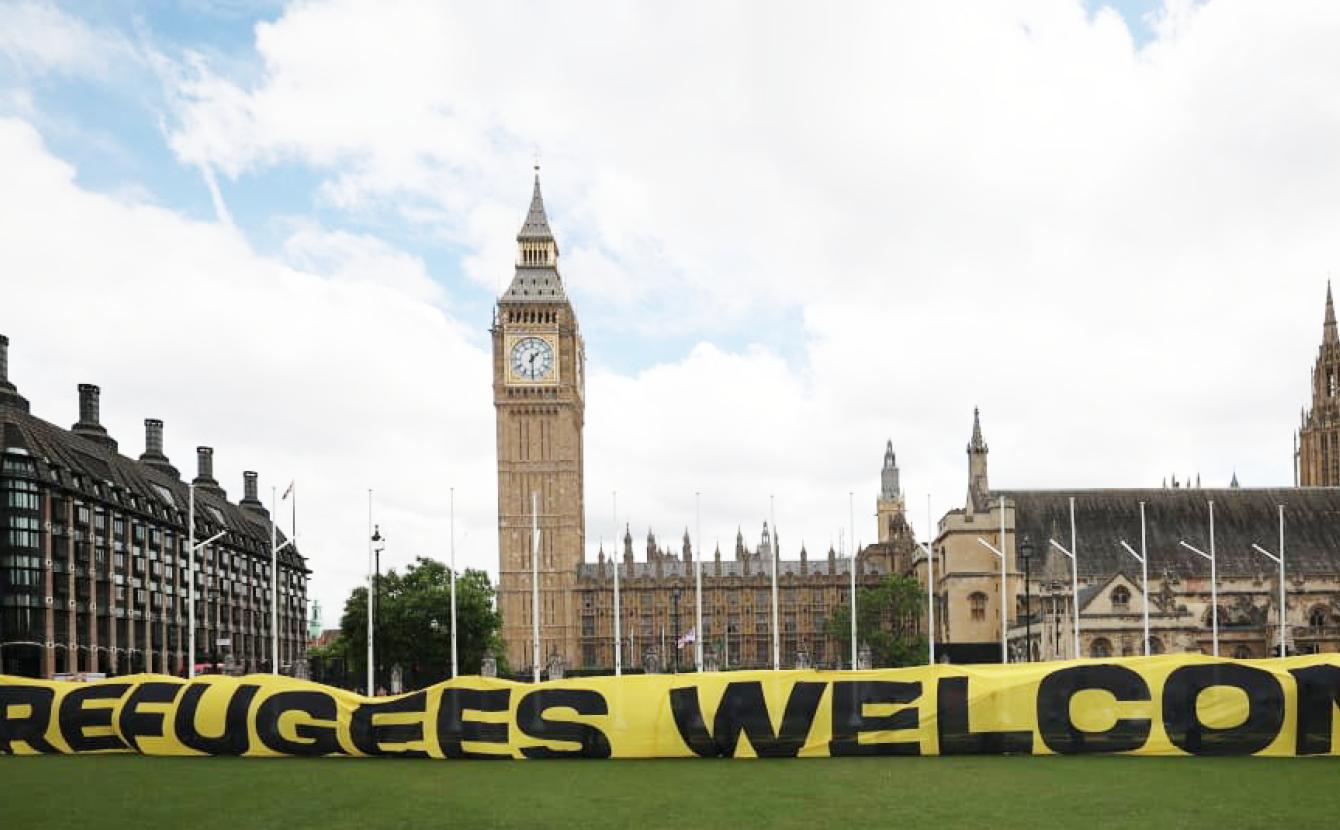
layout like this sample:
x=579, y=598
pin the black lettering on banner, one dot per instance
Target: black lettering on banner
x=531, y=721
x=368, y=735
x=31, y=727
x=135, y=723
x=743, y=708
x=1265, y=709
x=75, y=718
x=316, y=739
x=1318, y=695
x=1059, y=732
x=234, y=740
x=453, y=728
x=850, y=720
x=951, y=707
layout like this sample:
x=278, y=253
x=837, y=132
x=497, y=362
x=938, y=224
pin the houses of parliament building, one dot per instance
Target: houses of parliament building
x=539, y=397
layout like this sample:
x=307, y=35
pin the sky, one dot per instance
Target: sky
x=789, y=238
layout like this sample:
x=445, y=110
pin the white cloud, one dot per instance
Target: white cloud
x=38, y=38
x=341, y=378
x=1117, y=252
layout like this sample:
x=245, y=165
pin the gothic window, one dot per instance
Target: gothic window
x=1242, y=653
x=1100, y=648
x=1330, y=383
x=1317, y=618
x=1155, y=645
x=1121, y=599
x=977, y=603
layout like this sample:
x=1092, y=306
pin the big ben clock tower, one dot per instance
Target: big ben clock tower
x=538, y=394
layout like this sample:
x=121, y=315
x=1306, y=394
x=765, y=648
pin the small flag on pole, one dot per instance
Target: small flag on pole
x=288, y=492
x=690, y=637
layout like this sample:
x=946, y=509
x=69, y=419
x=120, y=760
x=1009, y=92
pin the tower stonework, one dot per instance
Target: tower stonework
x=889, y=506
x=539, y=400
x=1318, y=456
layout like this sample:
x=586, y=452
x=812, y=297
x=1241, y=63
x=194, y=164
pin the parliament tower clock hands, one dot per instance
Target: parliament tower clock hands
x=538, y=399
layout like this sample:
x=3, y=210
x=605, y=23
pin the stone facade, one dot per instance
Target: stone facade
x=1318, y=440
x=1110, y=597
x=538, y=395
x=93, y=563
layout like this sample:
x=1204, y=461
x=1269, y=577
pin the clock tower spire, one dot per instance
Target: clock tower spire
x=539, y=401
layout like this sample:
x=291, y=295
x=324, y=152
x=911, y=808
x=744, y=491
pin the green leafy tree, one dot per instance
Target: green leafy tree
x=414, y=623
x=888, y=620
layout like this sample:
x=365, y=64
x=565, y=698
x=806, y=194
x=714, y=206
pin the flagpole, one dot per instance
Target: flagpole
x=190, y=549
x=1074, y=576
x=851, y=567
x=930, y=585
x=1144, y=573
x=535, y=583
x=274, y=583
x=772, y=552
x=454, y=668
x=618, y=617
x=370, y=689
x=698, y=579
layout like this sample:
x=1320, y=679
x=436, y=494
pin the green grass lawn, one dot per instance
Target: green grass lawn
x=984, y=792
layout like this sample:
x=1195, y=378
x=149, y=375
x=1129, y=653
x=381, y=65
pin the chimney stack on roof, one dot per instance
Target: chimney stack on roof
x=250, y=493
x=204, y=476
x=89, y=424
x=153, y=448
x=9, y=394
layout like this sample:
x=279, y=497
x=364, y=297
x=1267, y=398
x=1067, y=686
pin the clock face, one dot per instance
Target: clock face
x=532, y=359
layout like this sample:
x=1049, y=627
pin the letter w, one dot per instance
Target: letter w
x=743, y=709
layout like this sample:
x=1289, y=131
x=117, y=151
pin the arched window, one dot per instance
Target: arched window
x=1100, y=648
x=1155, y=645
x=1242, y=653
x=1121, y=599
x=977, y=603
x=1317, y=617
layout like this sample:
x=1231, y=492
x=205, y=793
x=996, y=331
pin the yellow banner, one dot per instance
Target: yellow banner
x=1167, y=705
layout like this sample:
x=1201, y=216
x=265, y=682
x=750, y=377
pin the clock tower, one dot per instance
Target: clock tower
x=539, y=398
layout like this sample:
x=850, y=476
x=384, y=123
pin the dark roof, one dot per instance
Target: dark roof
x=536, y=225
x=535, y=284
x=103, y=475
x=1104, y=518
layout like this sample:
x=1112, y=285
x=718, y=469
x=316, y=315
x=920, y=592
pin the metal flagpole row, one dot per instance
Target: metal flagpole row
x=1000, y=554
x=1143, y=558
x=1214, y=581
x=930, y=584
x=455, y=669
x=371, y=689
x=698, y=584
x=1279, y=560
x=851, y=569
x=618, y=618
x=772, y=552
x=535, y=583
x=1074, y=574
x=191, y=548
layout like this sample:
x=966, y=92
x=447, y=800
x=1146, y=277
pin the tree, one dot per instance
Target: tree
x=414, y=623
x=888, y=620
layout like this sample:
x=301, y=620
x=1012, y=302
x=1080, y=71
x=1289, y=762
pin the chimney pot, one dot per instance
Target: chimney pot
x=88, y=404
x=153, y=437
x=204, y=457
x=4, y=360
x=249, y=486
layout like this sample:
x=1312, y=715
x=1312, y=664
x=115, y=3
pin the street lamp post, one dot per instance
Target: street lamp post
x=1026, y=554
x=375, y=608
x=674, y=601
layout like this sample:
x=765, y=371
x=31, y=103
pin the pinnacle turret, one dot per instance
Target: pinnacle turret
x=1328, y=330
